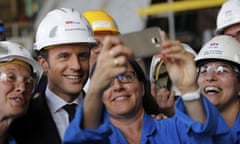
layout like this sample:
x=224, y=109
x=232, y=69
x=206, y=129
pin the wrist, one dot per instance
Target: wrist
x=190, y=96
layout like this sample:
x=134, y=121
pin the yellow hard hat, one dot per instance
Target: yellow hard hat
x=100, y=21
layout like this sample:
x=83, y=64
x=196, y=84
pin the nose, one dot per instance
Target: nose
x=211, y=76
x=116, y=85
x=20, y=87
x=75, y=63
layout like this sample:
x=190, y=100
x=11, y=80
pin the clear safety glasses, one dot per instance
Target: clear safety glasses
x=219, y=69
x=11, y=77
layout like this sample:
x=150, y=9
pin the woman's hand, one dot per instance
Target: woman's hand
x=165, y=100
x=180, y=65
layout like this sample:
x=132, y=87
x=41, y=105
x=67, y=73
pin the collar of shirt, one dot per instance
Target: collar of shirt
x=55, y=103
x=148, y=130
x=59, y=115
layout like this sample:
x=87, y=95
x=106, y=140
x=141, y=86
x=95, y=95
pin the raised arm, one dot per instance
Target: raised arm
x=111, y=62
x=182, y=71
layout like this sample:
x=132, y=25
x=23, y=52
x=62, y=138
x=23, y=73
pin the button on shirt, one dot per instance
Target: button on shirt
x=59, y=115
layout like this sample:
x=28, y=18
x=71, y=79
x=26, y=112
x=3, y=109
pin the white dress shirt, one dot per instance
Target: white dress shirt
x=60, y=116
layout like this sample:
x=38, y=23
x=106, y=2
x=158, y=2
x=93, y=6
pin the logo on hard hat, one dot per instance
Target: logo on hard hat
x=228, y=13
x=213, y=45
x=72, y=22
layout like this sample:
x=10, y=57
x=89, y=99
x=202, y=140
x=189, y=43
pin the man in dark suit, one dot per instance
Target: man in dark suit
x=63, y=42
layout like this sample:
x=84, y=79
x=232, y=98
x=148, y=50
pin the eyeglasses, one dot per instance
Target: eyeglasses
x=218, y=69
x=127, y=77
x=13, y=78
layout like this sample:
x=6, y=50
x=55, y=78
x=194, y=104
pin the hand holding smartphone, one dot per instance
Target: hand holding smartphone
x=144, y=43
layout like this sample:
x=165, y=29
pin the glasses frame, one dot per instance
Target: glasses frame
x=12, y=78
x=121, y=77
x=209, y=68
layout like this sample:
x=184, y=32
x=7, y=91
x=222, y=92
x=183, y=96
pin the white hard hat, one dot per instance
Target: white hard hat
x=158, y=71
x=220, y=47
x=63, y=26
x=228, y=15
x=10, y=51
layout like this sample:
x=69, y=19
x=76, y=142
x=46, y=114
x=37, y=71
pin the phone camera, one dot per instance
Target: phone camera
x=155, y=40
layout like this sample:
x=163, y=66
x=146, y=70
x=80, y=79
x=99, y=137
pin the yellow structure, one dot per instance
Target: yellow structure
x=179, y=6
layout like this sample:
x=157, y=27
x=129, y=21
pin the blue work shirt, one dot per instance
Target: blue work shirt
x=12, y=141
x=176, y=130
x=235, y=130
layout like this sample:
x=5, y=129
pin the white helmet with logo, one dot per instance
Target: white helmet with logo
x=63, y=26
x=10, y=51
x=228, y=15
x=220, y=47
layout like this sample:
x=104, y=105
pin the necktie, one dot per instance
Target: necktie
x=70, y=109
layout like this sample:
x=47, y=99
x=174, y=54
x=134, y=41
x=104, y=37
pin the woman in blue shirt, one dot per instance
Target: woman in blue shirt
x=219, y=78
x=121, y=89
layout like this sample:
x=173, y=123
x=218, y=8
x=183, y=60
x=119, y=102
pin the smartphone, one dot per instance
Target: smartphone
x=144, y=43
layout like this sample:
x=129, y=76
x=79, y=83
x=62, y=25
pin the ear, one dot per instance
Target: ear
x=43, y=62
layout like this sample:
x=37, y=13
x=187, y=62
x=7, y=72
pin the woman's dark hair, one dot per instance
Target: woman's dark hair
x=42, y=84
x=43, y=53
x=149, y=103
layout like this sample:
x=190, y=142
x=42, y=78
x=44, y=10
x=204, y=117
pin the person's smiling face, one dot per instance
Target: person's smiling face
x=16, y=85
x=67, y=69
x=219, y=83
x=124, y=98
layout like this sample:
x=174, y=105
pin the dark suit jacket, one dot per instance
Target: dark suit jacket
x=37, y=126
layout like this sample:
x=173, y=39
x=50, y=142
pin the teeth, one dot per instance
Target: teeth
x=18, y=99
x=211, y=89
x=73, y=77
x=120, y=98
